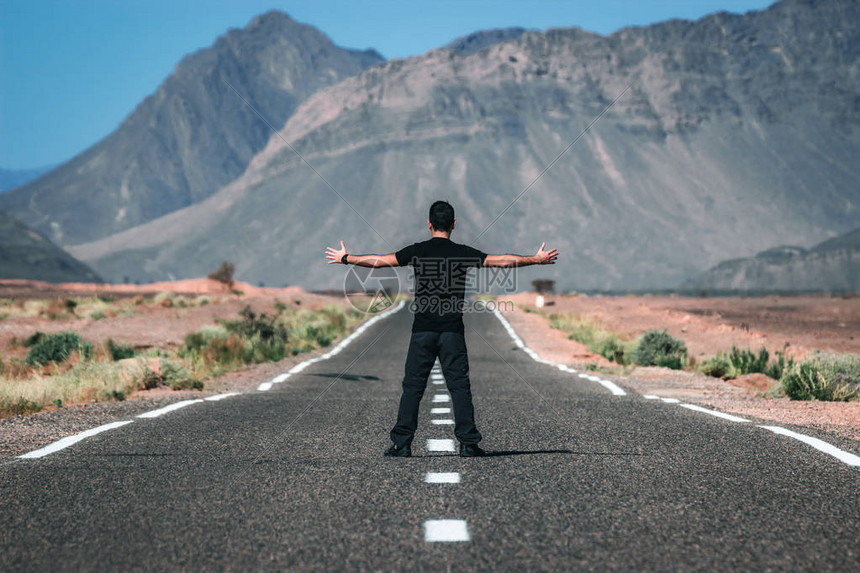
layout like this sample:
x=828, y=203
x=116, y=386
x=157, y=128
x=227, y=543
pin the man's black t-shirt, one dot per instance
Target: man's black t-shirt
x=440, y=266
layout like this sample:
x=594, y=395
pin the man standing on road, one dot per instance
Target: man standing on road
x=440, y=266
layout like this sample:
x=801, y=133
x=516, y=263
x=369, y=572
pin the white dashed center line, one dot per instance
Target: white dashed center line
x=442, y=422
x=440, y=445
x=440, y=410
x=446, y=530
x=438, y=398
x=442, y=477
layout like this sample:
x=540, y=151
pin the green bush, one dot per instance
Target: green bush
x=740, y=362
x=826, y=377
x=178, y=377
x=594, y=336
x=57, y=348
x=658, y=348
x=719, y=367
x=33, y=339
x=118, y=351
x=98, y=315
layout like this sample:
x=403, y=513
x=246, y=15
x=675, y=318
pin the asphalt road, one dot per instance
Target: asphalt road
x=294, y=479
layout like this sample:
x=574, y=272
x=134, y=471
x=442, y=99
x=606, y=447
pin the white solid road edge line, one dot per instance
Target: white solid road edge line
x=219, y=397
x=611, y=386
x=69, y=440
x=821, y=445
x=170, y=408
x=713, y=413
x=333, y=352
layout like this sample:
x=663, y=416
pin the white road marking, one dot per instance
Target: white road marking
x=651, y=397
x=219, y=397
x=334, y=351
x=445, y=530
x=69, y=440
x=437, y=477
x=820, y=445
x=440, y=445
x=438, y=381
x=612, y=387
x=170, y=408
x=265, y=386
x=714, y=413
x=437, y=398
x=671, y=400
x=440, y=410
x=443, y=422
x=435, y=375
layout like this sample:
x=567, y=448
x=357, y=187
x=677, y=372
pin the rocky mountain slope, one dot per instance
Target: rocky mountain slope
x=192, y=136
x=831, y=266
x=26, y=254
x=731, y=134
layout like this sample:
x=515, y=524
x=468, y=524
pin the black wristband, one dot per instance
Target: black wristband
x=343, y=260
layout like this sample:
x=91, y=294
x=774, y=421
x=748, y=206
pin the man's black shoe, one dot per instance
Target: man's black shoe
x=471, y=451
x=401, y=452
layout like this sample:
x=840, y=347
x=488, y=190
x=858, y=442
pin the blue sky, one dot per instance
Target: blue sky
x=70, y=72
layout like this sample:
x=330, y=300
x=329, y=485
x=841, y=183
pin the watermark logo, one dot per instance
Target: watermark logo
x=371, y=290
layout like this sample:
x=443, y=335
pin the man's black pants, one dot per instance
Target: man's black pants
x=424, y=347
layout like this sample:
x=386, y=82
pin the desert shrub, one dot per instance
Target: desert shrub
x=98, y=315
x=747, y=362
x=165, y=299
x=199, y=340
x=118, y=351
x=33, y=339
x=202, y=300
x=740, y=362
x=826, y=377
x=177, y=377
x=224, y=274
x=57, y=348
x=719, y=367
x=70, y=304
x=150, y=379
x=658, y=348
x=106, y=298
x=252, y=324
x=18, y=407
x=83, y=382
x=594, y=336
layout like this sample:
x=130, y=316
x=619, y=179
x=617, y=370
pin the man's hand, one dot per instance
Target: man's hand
x=334, y=256
x=545, y=257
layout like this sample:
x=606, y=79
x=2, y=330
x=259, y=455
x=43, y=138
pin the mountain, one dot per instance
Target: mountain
x=483, y=39
x=831, y=266
x=730, y=135
x=10, y=178
x=192, y=136
x=26, y=254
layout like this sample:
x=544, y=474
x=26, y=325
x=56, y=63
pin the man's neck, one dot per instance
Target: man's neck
x=440, y=234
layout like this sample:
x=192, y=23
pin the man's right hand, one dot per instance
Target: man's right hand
x=334, y=256
x=546, y=257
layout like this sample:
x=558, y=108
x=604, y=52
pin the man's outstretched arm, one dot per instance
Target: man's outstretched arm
x=542, y=257
x=335, y=256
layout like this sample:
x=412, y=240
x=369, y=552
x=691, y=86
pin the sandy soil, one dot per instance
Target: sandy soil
x=152, y=325
x=708, y=326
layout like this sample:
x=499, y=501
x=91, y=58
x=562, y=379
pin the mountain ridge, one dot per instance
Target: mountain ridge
x=188, y=138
